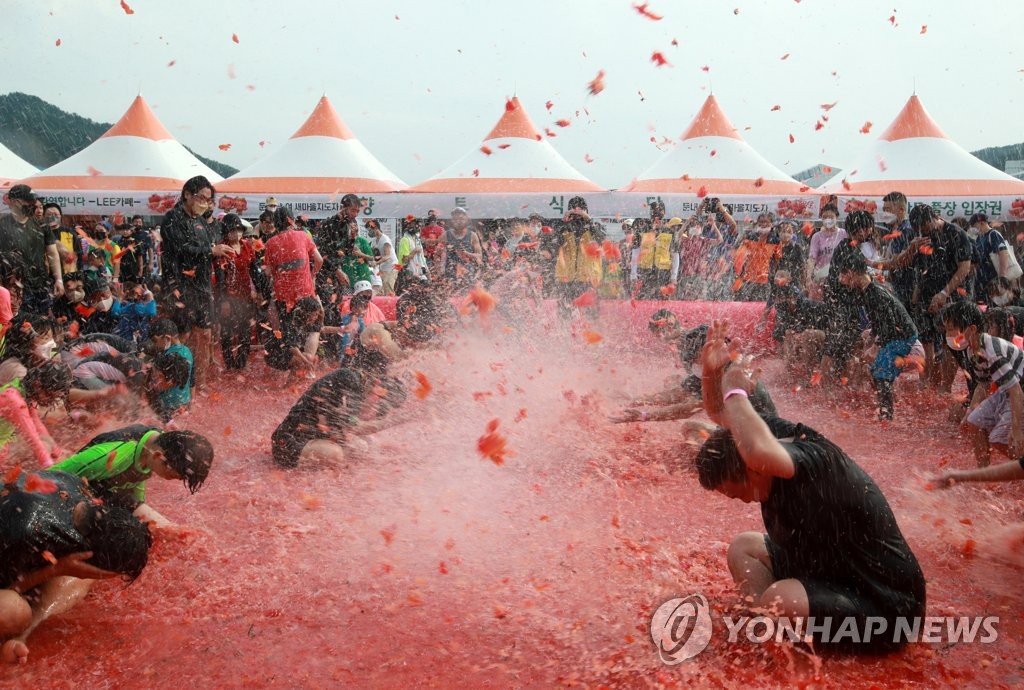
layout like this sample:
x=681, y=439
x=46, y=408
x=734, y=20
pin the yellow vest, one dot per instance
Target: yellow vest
x=573, y=264
x=663, y=251
x=646, y=258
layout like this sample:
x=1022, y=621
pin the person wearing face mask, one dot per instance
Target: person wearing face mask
x=683, y=399
x=898, y=235
x=188, y=252
x=99, y=304
x=995, y=256
x=384, y=256
x=753, y=260
x=1003, y=293
x=27, y=345
x=68, y=308
x=69, y=244
x=430, y=236
x=410, y=256
x=27, y=243
x=995, y=415
x=823, y=244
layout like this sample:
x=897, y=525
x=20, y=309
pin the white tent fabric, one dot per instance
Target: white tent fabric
x=13, y=168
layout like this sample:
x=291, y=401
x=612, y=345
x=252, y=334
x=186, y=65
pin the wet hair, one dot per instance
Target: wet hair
x=999, y=284
x=138, y=217
x=395, y=396
x=898, y=198
x=195, y=185
x=23, y=331
x=303, y=309
x=1003, y=321
x=283, y=218
x=660, y=319
x=859, y=220
x=657, y=209
x=719, y=461
x=230, y=222
x=853, y=261
x=828, y=207
x=693, y=343
x=75, y=276
x=119, y=541
x=163, y=327
x=920, y=215
x=267, y=215
x=53, y=377
x=189, y=454
x=962, y=315
x=351, y=200
x=419, y=314
x=53, y=204
x=578, y=202
x=174, y=368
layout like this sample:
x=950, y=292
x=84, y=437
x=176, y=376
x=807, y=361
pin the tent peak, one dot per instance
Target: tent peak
x=710, y=121
x=324, y=121
x=139, y=121
x=912, y=122
x=514, y=123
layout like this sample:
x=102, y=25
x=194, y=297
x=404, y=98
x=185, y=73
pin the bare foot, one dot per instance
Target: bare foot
x=14, y=652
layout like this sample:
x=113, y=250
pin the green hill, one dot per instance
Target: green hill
x=43, y=134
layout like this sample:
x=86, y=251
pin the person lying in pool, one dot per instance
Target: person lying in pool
x=117, y=464
x=56, y=538
x=684, y=399
x=832, y=548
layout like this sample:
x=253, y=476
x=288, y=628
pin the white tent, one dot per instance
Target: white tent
x=12, y=167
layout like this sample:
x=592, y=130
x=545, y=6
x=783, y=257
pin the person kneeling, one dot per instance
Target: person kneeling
x=833, y=549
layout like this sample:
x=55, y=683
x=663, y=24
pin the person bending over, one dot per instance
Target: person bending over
x=684, y=399
x=833, y=547
x=56, y=538
x=117, y=464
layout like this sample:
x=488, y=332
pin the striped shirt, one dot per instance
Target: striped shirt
x=998, y=361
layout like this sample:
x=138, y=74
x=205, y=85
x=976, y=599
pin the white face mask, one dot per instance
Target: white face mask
x=105, y=304
x=76, y=296
x=828, y=223
x=46, y=350
x=959, y=343
x=1001, y=300
x=885, y=217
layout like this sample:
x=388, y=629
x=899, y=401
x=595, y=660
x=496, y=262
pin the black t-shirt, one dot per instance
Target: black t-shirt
x=24, y=246
x=324, y=411
x=334, y=242
x=32, y=522
x=808, y=314
x=932, y=272
x=831, y=523
x=889, y=318
x=760, y=400
x=791, y=258
x=187, y=252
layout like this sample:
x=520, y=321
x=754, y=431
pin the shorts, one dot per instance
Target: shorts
x=286, y=448
x=994, y=416
x=884, y=366
x=190, y=310
x=837, y=601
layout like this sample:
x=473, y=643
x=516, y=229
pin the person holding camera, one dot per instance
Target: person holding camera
x=576, y=270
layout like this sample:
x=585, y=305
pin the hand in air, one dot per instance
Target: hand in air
x=717, y=352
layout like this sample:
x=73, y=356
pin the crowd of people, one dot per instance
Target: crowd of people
x=114, y=312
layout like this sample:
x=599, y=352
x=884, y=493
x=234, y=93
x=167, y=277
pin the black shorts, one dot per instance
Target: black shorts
x=190, y=309
x=929, y=326
x=838, y=601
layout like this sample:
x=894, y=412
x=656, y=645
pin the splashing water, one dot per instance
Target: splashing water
x=422, y=563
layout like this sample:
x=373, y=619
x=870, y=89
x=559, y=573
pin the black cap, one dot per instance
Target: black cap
x=21, y=192
x=231, y=221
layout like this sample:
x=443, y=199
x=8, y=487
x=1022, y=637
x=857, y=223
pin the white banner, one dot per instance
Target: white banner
x=603, y=204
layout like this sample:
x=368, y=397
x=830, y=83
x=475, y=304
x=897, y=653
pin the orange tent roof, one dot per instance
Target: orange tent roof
x=710, y=121
x=324, y=121
x=913, y=121
x=139, y=121
x=514, y=123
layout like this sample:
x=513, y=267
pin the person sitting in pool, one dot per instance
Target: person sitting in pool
x=56, y=538
x=684, y=399
x=117, y=464
x=833, y=547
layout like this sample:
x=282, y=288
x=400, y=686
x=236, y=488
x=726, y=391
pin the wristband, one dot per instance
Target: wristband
x=944, y=293
x=735, y=391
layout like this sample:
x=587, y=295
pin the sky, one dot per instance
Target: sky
x=421, y=83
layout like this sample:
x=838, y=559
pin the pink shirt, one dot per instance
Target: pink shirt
x=822, y=246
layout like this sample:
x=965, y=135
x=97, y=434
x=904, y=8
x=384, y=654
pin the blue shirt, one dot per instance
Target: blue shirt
x=173, y=398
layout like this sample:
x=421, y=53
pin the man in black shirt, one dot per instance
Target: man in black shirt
x=188, y=253
x=32, y=247
x=833, y=554
x=894, y=331
x=941, y=260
